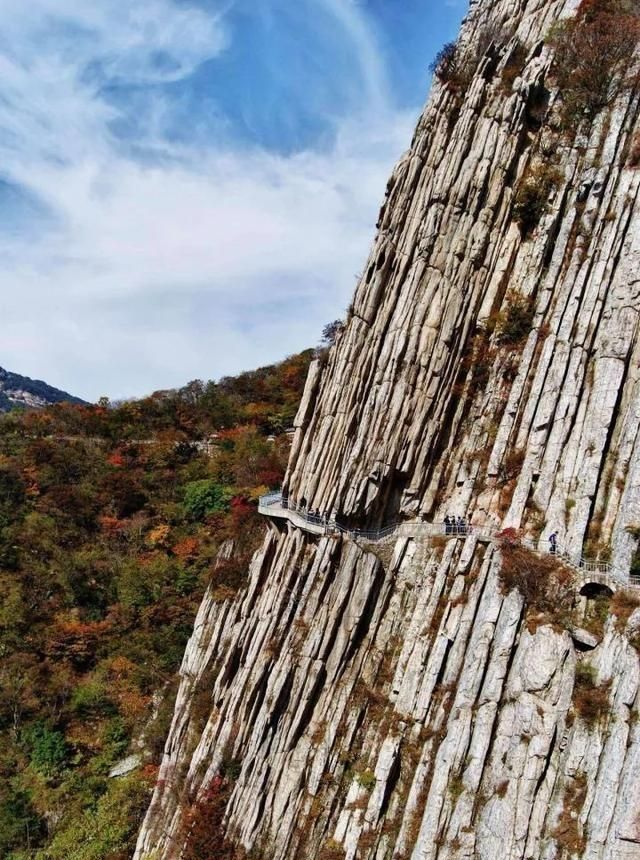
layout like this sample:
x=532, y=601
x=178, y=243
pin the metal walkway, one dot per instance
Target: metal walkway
x=591, y=571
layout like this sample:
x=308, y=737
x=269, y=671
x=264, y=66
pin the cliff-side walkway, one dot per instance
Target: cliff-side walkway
x=591, y=571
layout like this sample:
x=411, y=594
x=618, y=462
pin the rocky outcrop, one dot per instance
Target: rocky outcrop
x=402, y=702
x=22, y=392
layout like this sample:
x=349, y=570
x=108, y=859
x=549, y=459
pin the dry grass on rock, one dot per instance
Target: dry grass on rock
x=590, y=699
x=545, y=583
x=623, y=605
x=568, y=832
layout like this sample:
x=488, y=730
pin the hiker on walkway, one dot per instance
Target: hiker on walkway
x=447, y=525
x=553, y=543
x=462, y=526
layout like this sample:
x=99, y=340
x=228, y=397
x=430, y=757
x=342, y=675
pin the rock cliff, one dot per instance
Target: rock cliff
x=403, y=700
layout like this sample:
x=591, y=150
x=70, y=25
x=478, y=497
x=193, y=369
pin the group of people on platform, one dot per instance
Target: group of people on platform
x=308, y=513
x=452, y=525
x=456, y=526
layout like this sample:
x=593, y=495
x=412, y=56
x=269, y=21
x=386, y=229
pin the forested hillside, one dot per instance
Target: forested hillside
x=110, y=521
x=21, y=392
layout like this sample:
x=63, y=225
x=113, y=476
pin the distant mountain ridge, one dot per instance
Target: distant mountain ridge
x=16, y=390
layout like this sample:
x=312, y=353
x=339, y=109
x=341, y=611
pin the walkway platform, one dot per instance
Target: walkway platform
x=591, y=572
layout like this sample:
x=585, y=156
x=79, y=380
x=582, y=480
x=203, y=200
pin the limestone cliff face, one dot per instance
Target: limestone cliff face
x=397, y=701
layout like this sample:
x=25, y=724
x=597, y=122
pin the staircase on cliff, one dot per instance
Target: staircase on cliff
x=435, y=701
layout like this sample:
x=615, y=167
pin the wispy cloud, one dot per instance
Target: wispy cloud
x=149, y=258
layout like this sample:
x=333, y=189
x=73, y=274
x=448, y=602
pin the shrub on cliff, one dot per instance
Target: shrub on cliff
x=455, y=65
x=515, y=321
x=568, y=831
x=623, y=604
x=454, y=69
x=446, y=63
x=203, y=826
x=593, y=54
x=590, y=699
x=331, y=331
x=531, y=199
x=513, y=66
x=546, y=584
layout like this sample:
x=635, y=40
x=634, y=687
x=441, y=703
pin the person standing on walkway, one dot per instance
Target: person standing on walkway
x=447, y=525
x=553, y=543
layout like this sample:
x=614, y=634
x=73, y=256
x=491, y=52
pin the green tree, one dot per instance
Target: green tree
x=48, y=749
x=205, y=497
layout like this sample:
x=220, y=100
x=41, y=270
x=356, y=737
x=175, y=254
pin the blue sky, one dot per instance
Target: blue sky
x=188, y=188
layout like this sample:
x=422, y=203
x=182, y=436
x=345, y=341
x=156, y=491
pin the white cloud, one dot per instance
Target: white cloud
x=203, y=262
x=348, y=15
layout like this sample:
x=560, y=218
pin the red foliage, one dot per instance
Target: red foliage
x=240, y=504
x=245, y=521
x=510, y=536
x=270, y=477
x=231, y=573
x=203, y=825
x=149, y=773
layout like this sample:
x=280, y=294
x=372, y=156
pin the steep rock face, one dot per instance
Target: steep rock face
x=397, y=701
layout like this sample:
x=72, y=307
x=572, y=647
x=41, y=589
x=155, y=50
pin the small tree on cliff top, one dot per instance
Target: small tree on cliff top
x=593, y=54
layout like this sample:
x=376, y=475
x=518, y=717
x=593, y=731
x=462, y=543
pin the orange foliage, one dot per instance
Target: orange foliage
x=186, y=549
x=75, y=640
x=121, y=667
x=30, y=477
x=110, y=525
x=115, y=459
x=132, y=704
x=158, y=535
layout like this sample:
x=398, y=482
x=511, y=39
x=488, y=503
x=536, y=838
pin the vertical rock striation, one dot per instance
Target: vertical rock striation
x=397, y=701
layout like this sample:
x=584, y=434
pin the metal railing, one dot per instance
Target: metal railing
x=274, y=504
x=332, y=526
